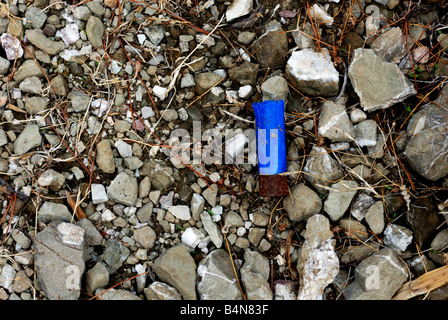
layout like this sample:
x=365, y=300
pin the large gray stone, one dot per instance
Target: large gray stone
x=321, y=170
x=29, y=68
x=302, y=203
x=378, y=83
x=51, y=211
x=43, y=43
x=95, y=31
x=272, y=46
x=339, y=198
x=392, y=45
x=427, y=135
x=377, y=277
x=334, y=122
x=275, y=88
x=255, y=275
x=123, y=189
x=29, y=138
x=216, y=278
x=59, y=260
x=161, y=175
x=177, y=268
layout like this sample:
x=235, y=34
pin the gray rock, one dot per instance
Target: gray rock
x=377, y=277
x=28, y=139
x=95, y=31
x=92, y=236
x=379, y=84
x=354, y=229
x=205, y=81
x=356, y=253
x=144, y=213
x=29, y=68
x=59, y=86
x=339, y=198
x=7, y=276
x=181, y=212
x=238, y=9
x=96, y=278
x=176, y=267
x=146, y=236
x=115, y=294
x=4, y=65
x=212, y=229
x=105, y=157
x=161, y=291
x=275, y=88
x=161, y=175
x=82, y=12
x=216, y=278
x=96, y=7
x=52, y=179
x=440, y=241
x=210, y=194
x=79, y=100
x=362, y=203
x=334, y=122
x=123, y=189
x=197, y=205
x=233, y=219
x=244, y=74
x=302, y=203
x=34, y=105
x=20, y=238
x=43, y=43
x=255, y=235
x=255, y=275
x=36, y=16
x=366, y=133
x=3, y=138
x=312, y=73
x=391, y=45
x=375, y=217
x=59, y=260
x=426, y=146
x=397, y=237
x=51, y=211
x=115, y=253
x=272, y=46
x=155, y=33
x=321, y=169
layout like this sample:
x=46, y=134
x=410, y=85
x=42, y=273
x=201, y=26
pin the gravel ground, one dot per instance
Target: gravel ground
x=119, y=120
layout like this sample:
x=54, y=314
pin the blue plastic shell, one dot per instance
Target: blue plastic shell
x=270, y=133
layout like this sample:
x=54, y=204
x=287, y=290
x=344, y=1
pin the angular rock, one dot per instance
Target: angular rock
x=302, y=203
x=354, y=229
x=59, y=260
x=360, y=206
x=318, y=263
x=181, y=211
x=97, y=278
x=366, y=133
x=161, y=175
x=92, y=237
x=51, y=211
x=11, y=45
x=238, y=8
x=95, y=31
x=115, y=253
x=59, y=86
x=255, y=275
x=36, y=16
x=161, y=291
x=105, y=157
x=197, y=205
x=339, y=198
x=440, y=241
x=272, y=46
x=210, y=194
x=99, y=194
x=31, y=85
x=312, y=73
x=379, y=84
x=28, y=139
x=244, y=74
x=4, y=65
x=427, y=148
x=193, y=238
x=377, y=277
x=115, y=294
x=275, y=88
x=233, y=219
x=34, y=105
x=52, y=179
x=397, y=237
x=375, y=217
x=205, y=81
x=334, y=122
x=391, y=45
x=212, y=229
x=176, y=267
x=39, y=40
x=79, y=100
x=321, y=169
x=29, y=68
x=7, y=276
x=216, y=278
x=123, y=189
x=146, y=236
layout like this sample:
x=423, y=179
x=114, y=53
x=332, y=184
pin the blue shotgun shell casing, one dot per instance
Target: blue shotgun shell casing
x=271, y=147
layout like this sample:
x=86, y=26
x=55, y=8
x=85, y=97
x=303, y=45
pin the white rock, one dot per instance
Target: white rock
x=235, y=145
x=160, y=92
x=69, y=34
x=107, y=215
x=7, y=276
x=309, y=65
x=115, y=67
x=141, y=38
x=238, y=8
x=124, y=149
x=193, y=238
x=245, y=92
x=99, y=194
x=357, y=115
x=182, y=212
x=318, y=12
x=147, y=112
x=68, y=54
x=141, y=280
x=71, y=233
x=397, y=237
x=100, y=106
x=12, y=46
